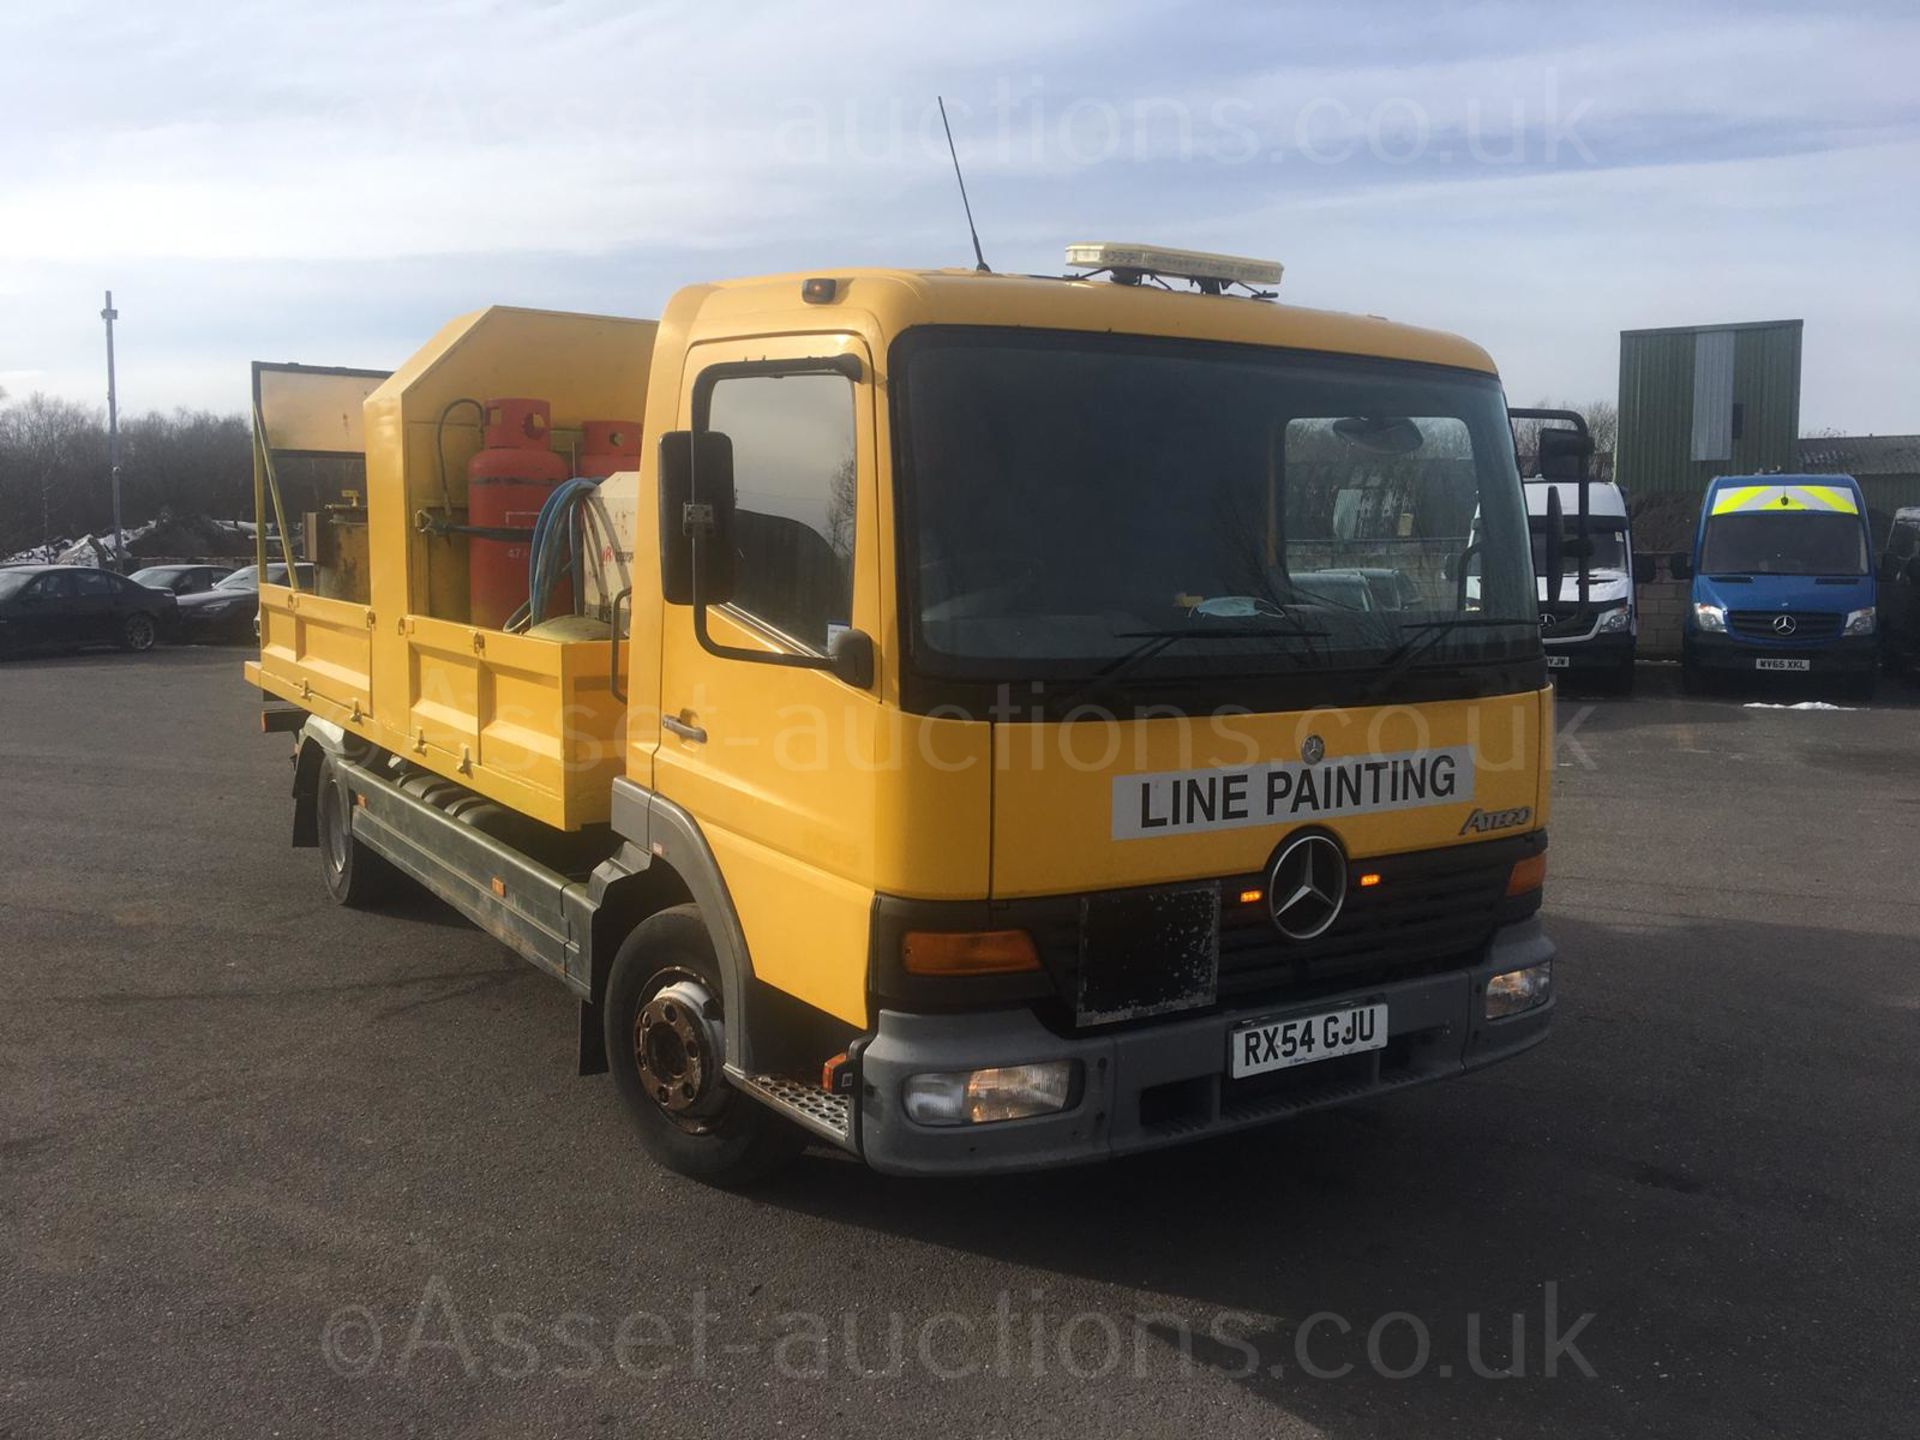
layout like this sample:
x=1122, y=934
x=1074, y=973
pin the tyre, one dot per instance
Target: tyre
x=665, y=1036
x=356, y=877
x=138, y=632
x=1862, y=688
x=1694, y=680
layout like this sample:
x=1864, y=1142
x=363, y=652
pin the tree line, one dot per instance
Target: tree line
x=56, y=483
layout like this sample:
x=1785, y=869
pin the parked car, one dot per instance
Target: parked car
x=68, y=606
x=180, y=579
x=227, y=611
x=1900, y=593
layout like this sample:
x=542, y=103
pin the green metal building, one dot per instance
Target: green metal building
x=1698, y=401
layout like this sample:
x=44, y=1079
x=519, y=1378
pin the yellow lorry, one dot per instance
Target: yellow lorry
x=993, y=722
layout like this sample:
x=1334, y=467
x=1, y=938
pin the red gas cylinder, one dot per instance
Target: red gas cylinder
x=607, y=446
x=507, y=483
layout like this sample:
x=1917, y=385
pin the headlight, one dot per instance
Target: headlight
x=1709, y=617
x=1616, y=619
x=978, y=1097
x=1859, y=622
x=1515, y=991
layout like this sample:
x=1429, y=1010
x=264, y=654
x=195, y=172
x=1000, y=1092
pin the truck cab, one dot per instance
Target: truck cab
x=1782, y=583
x=1042, y=719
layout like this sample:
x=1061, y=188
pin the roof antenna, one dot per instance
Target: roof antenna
x=982, y=266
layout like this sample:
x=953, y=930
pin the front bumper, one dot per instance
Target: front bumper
x=1844, y=655
x=1606, y=651
x=1165, y=1083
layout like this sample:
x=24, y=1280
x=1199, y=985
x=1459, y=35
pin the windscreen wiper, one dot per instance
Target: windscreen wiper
x=1152, y=642
x=1429, y=633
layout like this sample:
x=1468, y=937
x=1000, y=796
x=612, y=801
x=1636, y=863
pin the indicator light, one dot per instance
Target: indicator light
x=983, y=952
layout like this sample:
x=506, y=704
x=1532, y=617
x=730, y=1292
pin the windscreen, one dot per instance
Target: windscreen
x=1609, y=547
x=1784, y=542
x=1076, y=502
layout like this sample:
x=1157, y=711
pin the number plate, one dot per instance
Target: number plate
x=1768, y=662
x=1280, y=1044
x=1559, y=662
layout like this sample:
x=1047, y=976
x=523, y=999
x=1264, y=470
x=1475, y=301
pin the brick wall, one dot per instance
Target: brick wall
x=1661, y=603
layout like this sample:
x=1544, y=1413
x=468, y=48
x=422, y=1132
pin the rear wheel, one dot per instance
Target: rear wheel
x=138, y=632
x=356, y=877
x=666, y=1044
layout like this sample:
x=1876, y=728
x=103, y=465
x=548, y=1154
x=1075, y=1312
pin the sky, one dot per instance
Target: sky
x=329, y=182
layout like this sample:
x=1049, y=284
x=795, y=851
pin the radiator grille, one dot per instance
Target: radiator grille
x=1760, y=623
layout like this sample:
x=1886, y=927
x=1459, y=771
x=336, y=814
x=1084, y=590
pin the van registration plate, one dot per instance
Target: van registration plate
x=1774, y=662
x=1279, y=1044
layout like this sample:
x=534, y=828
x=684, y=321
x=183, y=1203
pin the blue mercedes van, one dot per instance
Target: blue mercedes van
x=1782, y=582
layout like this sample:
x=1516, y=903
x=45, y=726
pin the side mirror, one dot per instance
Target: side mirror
x=851, y=657
x=1564, y=454
x=1681, y=567
x=696, y=517
x=1556, y=546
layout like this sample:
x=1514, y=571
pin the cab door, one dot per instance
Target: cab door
x=775, y=762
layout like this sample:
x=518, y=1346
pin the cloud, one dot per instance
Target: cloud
x=336, y=179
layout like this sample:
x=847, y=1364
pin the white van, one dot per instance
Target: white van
x=1594, y=642
x=1588, y=636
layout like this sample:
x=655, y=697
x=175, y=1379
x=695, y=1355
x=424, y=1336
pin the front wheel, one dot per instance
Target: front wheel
x=665, y=1032
x=138, y=632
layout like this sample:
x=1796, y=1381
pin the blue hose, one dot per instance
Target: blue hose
x=554, y=553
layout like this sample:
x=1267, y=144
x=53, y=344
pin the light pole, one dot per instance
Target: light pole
x=109, y=314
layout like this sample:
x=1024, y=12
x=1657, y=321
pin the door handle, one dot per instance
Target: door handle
x=683, y=729
x=615, y=681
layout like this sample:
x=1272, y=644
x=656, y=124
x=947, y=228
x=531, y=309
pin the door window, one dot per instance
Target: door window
x=794, y=475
